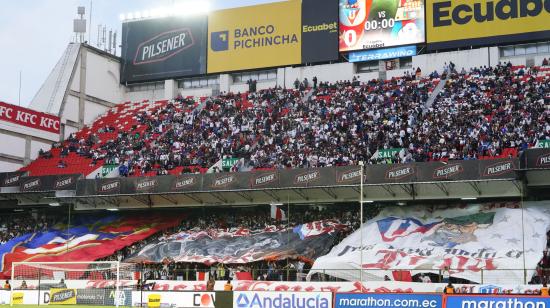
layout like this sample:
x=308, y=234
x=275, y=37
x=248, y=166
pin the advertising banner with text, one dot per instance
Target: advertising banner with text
x=29, y=118
x=455, y=24
x=255, y=37
x=163, y=48
x=319, y=30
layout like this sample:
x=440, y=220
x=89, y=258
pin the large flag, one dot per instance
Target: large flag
x=492, y=242
x=87, y=239
x=238, y=246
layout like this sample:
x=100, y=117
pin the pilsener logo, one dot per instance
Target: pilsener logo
x=164, y=46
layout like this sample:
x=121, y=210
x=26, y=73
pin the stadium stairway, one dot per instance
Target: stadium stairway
x=435, y=93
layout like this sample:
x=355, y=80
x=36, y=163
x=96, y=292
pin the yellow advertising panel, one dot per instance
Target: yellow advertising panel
x=62, y=296
x=17, y=298
x=153, y=300
x=452, y=24
x=255, y=36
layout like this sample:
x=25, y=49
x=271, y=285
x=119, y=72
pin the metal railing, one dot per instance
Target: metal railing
x=481, y=276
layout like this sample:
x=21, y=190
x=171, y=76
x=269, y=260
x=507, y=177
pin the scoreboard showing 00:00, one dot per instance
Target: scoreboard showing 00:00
x=369, y=24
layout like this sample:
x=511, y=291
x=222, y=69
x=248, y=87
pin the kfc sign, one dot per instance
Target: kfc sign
x=29, y=118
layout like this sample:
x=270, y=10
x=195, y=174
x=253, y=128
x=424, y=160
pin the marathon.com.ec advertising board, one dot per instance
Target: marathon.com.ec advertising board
x=255, y=37
x=163, y=48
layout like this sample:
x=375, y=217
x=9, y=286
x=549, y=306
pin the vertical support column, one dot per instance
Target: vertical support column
x=27, y=158
x=225, y=82
x=82, y=87
x=170, y=89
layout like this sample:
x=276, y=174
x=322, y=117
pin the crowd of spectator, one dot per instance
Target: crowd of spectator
x=480, y=113
x=13, y=225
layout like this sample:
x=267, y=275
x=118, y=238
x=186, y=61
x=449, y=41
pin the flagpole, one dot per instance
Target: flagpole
x=361, y=224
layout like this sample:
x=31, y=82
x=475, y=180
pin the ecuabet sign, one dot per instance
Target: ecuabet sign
x=453, y=24
x=29, y=118
x=255, y=36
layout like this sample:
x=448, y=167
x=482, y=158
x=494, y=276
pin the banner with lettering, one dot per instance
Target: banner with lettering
x=239, y=246
x=29, y=118
x=491, y=237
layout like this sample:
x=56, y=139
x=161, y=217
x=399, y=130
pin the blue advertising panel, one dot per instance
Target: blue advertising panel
x=382, y=54
x=389, y=300
x=499, y=301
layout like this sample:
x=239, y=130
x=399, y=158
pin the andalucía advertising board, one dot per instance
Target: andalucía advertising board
x=454, y=24
x=257, y=36
x=388, y=300
x=371, y=24
x=500, y=301
x=282, y=299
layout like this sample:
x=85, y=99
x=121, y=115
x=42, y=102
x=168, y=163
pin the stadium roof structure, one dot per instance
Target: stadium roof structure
x=458, y=180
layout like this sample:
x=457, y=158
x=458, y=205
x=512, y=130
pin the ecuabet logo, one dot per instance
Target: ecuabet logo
x=219, y=41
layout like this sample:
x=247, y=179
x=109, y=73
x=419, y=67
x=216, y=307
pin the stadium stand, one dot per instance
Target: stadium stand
x=478, y=115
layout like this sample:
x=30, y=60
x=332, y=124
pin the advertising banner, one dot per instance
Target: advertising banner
x=63, y=296
x=319, y=30
x=49, y=183
x=455, y=24
x=467, y=240
x=545, y=144
x=163, y=48
x=11, y=179
x=536, y=159
x=371, y=24
x=371, y=300
x=17, y=298
x=282, y=299
x=255, y=37
x=29, y=118
x=243, y=245
x=382, y=54
x=174, y=299
x=94, y=297
x=460, y=301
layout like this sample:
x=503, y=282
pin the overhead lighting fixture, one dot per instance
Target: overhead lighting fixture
x=18, y=210
x=113, y=210
x=275, y=204
x=401, y=203
x=472, y=198
x=368, y=201
x=55, y=204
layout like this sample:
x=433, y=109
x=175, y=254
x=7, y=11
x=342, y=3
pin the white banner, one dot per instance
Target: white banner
x=282, y=299
x=488, y=242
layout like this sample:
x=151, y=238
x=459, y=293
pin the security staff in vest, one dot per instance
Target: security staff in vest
x=449, y=289
x=544, y=290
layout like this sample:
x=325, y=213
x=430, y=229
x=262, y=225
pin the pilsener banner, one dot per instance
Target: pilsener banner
x=163, y=48
x=255, y=37
x=454, y=24
x=371, y=24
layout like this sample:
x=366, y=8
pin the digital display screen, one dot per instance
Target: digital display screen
x=371, y=24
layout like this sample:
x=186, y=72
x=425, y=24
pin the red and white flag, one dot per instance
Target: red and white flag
x=277, y=213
